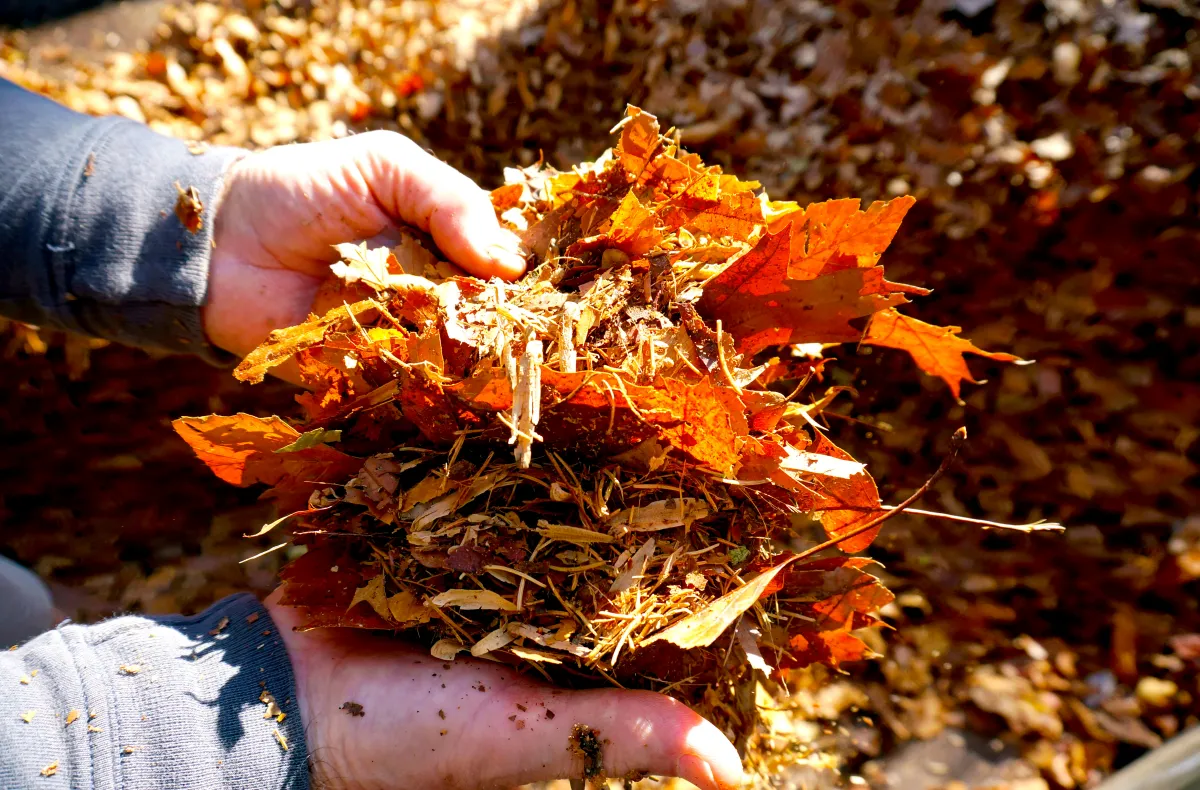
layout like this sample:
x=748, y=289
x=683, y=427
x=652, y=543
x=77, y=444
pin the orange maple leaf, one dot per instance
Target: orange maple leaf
x=937, y=350
x=718, y=205
x=761, y=305
x=240, y=449
x=835, y=235
x=639, y=140
x=632, y=229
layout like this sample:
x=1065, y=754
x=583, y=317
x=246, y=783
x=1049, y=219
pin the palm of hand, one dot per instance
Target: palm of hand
x=474, y=724
x=283, y=209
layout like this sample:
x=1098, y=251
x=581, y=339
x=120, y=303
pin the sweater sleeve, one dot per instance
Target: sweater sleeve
x=144, y=703
x=89, y=237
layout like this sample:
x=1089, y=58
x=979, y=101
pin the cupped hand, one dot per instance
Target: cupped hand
x=470, y=723
x=282, y=210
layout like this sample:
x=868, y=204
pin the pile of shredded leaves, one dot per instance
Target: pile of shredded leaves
x=601, y=471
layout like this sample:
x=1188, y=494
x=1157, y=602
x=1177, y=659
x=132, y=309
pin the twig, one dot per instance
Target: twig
x=960, y=437
x=1041, y=525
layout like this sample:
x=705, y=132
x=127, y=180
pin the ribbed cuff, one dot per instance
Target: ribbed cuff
x=171, y=703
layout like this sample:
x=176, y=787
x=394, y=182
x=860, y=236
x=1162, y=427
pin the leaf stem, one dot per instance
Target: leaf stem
x=960, y=438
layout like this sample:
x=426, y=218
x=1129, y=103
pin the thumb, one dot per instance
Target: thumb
x=417, y=188
x=617, y=733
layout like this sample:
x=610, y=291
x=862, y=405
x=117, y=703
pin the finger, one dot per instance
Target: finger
x=613, y=732
x=416, y=187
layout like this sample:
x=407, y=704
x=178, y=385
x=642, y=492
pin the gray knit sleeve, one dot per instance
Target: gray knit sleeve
x=137, y=703
x=89, y=237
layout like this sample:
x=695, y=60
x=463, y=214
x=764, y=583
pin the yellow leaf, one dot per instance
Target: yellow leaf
x=571, y=534
x=493, y=641
x=446, y=649
x=28, y=715
x=703, y=627
x=372, y=593
x=530, y=654
x=405, y=608
x=71, y=717
x=361, y=263
x=473, y=599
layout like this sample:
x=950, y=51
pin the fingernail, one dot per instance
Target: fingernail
x=696, y=771
x=509, y=262
x=509, y=240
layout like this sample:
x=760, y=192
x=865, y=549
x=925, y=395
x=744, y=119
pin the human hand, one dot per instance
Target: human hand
x=283, y=209
x=474, y=724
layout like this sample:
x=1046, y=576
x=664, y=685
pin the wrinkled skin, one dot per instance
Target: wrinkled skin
x=281, y=211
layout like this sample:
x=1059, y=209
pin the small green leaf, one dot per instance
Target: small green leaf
x=738, y=555
x=310, y=439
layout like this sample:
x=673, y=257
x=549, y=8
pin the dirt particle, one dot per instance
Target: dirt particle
x=549, y=713
x=520, y=724
x=521, y=707
x=585, y=742
x=50, y=770
x=222, y=624
x=129, y=669
x=482, y=687
x=442, y=713
x=90, y=169
x=353, y=709
x=252, y=618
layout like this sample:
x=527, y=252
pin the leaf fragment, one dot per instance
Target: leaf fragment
x=311, y=439
x=937, y=350
x=469, y=600
x=492, y=641
x=703, y=628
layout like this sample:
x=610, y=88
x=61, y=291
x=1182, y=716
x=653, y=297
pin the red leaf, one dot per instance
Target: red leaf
x=761, y=306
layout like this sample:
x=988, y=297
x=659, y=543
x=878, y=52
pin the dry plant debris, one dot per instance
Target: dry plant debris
x=644, y=373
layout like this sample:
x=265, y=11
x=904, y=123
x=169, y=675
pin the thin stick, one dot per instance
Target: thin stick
x=262, y=553
x=960, y=437
x=1035, y=526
